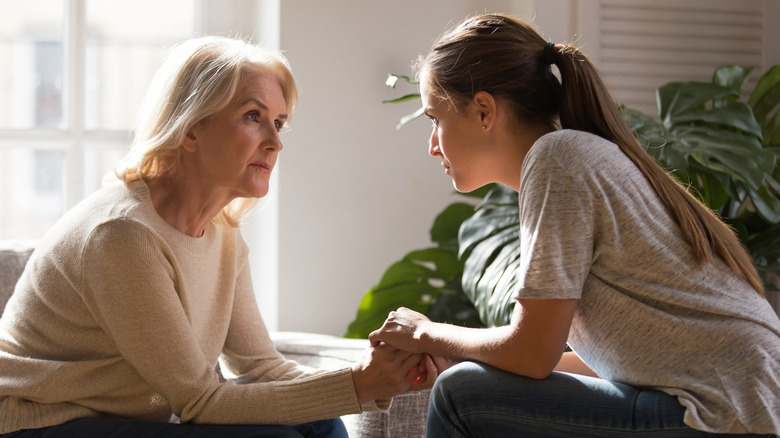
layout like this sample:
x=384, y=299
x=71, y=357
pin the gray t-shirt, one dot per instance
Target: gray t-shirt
x=592, y=228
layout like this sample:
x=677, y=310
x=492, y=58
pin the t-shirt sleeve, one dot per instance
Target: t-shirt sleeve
x=556, y=225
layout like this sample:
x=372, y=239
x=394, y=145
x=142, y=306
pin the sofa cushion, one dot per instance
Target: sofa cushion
x=13, y=257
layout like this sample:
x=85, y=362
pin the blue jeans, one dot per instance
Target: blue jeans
x=477, y=400
x=114, y=428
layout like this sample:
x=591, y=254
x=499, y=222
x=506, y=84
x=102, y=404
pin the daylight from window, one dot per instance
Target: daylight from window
x=72, y=76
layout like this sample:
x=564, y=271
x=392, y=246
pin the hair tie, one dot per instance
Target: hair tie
x=548, y=53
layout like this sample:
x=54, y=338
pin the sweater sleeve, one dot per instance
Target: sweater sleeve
x=249, y=354
x=136, y=302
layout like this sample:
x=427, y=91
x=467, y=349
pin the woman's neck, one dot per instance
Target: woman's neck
x=184, y=204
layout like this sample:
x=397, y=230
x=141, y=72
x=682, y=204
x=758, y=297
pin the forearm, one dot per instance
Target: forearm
x=501, y=347
x=531, y=345
x=463, y=343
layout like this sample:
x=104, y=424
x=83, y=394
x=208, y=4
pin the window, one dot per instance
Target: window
x=72, y=77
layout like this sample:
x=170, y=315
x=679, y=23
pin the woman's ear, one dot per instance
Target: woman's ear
x=190, y=143
x=486, y=108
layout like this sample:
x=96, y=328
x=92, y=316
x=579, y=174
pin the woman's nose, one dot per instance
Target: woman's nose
x=433, y=145
x=274, y=143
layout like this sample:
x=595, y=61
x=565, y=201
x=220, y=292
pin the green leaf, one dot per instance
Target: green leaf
x=731, y=76
x=446, y=225
x=408, y=118
x=499, y=283
x=736, y=115
x=770, y=128
x=676, y=156
x=482, y=255
x=766, y=96
x=377, y=303
x=392, y=79
x=764, y=247
x=676, y=98
x=414, y=282
x=404, y=98
x=499, y=195
x=650, y=133
x=713, y=189
x=489, y=243
x=485, y=223
x=454, y=308
x=766, y=203
x=728, y=152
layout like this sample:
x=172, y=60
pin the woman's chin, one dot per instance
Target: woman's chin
x=463, y=187
x=257, y=192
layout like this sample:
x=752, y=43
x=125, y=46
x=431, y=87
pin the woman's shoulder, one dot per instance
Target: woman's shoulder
x=571, y=148
x=573, y=141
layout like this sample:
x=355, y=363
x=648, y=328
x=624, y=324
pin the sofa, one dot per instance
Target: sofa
x=404, y=419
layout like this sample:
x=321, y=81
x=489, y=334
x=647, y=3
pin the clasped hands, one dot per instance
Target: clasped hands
x=395, y=362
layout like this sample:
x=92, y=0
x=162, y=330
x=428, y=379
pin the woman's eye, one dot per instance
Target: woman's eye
x=433, y=120
x=278, y=125
x=253, y=116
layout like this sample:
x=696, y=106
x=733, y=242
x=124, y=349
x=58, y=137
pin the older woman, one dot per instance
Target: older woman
x=118, y=322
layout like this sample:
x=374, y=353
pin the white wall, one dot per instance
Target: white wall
x=355, y=193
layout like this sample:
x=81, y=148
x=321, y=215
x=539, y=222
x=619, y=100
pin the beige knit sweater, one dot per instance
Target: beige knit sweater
x=119, y=314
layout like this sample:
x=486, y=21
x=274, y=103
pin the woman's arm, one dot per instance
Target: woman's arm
x=531, y=345
x=381, y=373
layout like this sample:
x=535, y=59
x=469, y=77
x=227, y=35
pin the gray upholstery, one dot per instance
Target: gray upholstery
x=406, y=416
x=404, y=419
x=13, y=256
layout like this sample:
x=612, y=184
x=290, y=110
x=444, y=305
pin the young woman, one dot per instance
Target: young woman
x=126, y=306
x=664, y=311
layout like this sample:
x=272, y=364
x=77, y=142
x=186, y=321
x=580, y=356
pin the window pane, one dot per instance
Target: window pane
x=126, y=43
x=31, y=71
x=31, y=191
x=99, y=162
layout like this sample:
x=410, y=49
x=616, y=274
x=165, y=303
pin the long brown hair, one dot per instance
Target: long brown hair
x=508, y=58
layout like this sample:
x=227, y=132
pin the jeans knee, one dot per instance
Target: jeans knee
x=456, y=382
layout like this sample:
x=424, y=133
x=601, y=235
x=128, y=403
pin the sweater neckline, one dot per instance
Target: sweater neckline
x=194, y=245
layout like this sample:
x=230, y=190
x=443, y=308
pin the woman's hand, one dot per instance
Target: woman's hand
x=434, y=365
x=402, y=329
x=530, y=345
x=385, y=371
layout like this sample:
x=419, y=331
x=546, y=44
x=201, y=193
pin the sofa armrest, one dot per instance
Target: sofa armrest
x=406, y=416
x=13, y=257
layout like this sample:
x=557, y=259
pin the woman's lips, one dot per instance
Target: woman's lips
x=263, y=167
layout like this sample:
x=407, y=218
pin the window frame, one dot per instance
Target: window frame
x=255, y=19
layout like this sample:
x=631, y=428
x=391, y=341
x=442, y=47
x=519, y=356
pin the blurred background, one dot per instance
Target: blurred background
x=352, y=192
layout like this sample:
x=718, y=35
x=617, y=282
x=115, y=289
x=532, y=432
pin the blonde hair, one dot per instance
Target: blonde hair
x=198, y=79
x=509, y=59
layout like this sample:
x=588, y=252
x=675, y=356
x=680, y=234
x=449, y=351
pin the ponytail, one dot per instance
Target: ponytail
x=585, y=104
x=509, y=59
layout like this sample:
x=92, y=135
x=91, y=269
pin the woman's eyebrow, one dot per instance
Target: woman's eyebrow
x=257, y=101
x=263, y=106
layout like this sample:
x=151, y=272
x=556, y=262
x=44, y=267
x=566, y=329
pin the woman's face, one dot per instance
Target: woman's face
x=237, y=148
x=457, y=139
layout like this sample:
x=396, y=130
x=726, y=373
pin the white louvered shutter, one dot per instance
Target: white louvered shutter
x=639, y=45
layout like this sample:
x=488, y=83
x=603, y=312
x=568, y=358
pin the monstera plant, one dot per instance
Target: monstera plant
x=725, y=149
x=426, y=280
